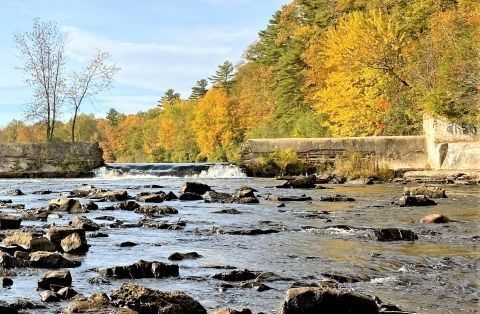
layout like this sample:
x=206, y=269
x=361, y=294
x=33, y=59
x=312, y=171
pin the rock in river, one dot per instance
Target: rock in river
x=51, y=260
x=74, y=244
x=395, y=234
x=55, y=280
x=98, y=302
x=9, y=222
x=336, y=198
x=419, y=200
x=141, y=269
x=181, y=256
x=195, y=188
x=435, y=219
x=226, y=310
x=428, y=191
x=84, y=223
x=300, y=183
x=145, y=300
x=64, y=204
x=236, y=275
x=308, y=300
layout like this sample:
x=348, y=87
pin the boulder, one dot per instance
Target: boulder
x=57, y=234
x=8, y=261
x=128, y=244
x=55, y=280
x=395, y=234
x=64, y=204
x=90, y=205
x=51, y=260
x=236, y=275
x=244, y=192
x=253, y=232
x=13, y=192
x=227, y=310
x=84, y=223
x=311, y=300
x=190, y=197
x=428, y=191
x=67, y=293
x=217, y=197
x=6, y=282
x=49, y=296
x=98, y=302
x=419, y=200
x=30, y=242
x=141, y=269
x=435, y=219
x=344, y=278
x=145, y=300
x=195, y=188
x=36, y=214
x=9, y=222
x=360, y=181
x=228, y=211
x=300, y=183
x=73, y=244
x=151, y=197
x=181, y=256
x=128, y=205
x=156, y=210
x=6, y=308
x=100, y=194
x=301, y=198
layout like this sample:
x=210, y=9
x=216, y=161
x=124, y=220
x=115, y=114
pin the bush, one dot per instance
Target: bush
x=356, y=166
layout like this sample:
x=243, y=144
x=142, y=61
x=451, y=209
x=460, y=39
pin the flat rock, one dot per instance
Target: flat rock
x=419, y=200
x=141, y=269
x=55, y=280
x=64, y=204
x=181, y=256
x=428, y=191
x=301, y=198
x=8, y=261
x=51, y=260
x=395, y=234
x=98, y=302
x=151, y=197
x=228, y=211
x=188, y=196
x=156, y=210
x=300, y=183
x=84, y=223
x=236, y=275
x=336, y=198
x=435, y=219
x=145, y=300
x=195, y=188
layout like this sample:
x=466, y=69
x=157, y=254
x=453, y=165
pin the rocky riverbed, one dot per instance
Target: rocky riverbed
x=127, y=243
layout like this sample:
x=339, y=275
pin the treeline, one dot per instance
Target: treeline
x=321, y=68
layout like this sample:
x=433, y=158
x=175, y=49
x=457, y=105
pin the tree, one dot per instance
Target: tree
x=43, y=53
x=223, y=77
x=95, y=78
x=113, y=117
x=199, y=90
x=169, y=98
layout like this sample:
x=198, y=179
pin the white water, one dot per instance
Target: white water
x=223, y=171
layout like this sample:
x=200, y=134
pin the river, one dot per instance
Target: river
x=438, y=273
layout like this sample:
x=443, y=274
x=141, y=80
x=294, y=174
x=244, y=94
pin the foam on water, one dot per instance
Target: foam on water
x=222, y=171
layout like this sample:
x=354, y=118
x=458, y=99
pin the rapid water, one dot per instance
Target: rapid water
x=438, y=273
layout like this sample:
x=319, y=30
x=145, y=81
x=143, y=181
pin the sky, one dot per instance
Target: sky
x=158, y=44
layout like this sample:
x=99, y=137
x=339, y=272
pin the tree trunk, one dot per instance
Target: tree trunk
x=74, y=120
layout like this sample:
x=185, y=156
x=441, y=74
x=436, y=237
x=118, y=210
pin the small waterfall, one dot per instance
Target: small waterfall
x=222, y=171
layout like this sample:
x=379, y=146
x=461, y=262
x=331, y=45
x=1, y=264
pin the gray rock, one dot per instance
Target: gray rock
x=55, y=280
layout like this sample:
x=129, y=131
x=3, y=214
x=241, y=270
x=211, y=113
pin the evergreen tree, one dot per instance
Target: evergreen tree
x=223, y=76
x=199, y=90
x=112, y=116
x=169, y=97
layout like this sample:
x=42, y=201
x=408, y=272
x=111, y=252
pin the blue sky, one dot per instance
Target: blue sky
x=159, y=44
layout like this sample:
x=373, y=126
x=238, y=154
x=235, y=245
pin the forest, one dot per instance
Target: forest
x=321, y=68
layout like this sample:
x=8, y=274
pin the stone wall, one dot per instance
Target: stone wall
x=44, y=160
x=395, y=152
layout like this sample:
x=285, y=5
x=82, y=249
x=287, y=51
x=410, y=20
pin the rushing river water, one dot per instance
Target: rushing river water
x=438, y=273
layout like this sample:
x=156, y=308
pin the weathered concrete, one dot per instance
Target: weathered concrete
x=49, y=160
x=395, y=152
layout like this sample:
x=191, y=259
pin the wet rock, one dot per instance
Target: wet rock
x=146, y=300
x=164, y=225
x=156, y=210
x=98, y=281
x=6, y=308
x=226, y=310
x=281, y=205
x=344, y=278
x=9, y=222
x=8, y=261
x=49, y=296
x=360, y=181
x=435, y=219
x=300, y=183
x=39, y=214
x=98, y=235
x=51, y=260
x=74, y=244
x=141, y=269
x=171, y=196
x=13, y=192
x=90, y=205
x=98, y=302
x=253, y=232
x=7, y=272
x=236, y=275
x=217, y=197
x=84, y=223
x=151, y=197
x=30, y=242
x=108, y=218
x=67, y=293
x=301, y=198
x=100, y=194
x=127, y=244
x=336, y=198
x=64, y=204
x=6, y=282
x=181, y=256
x=190, y=197
x=228, y=211
x=57, y=234
x=23, y=304
x=22, y=255
x=395, y=234
x=128, y=205
x=419, y=200
x=42, y=192
x=195, y=188
x=55, y=280
x=428, y=191
x=244, y=192
x=308, y=300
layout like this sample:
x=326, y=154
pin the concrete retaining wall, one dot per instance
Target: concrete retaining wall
x=395, y=152
x=49, y=159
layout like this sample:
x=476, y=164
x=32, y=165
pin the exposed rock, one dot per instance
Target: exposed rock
x=300, y=183
x=151, y=197
x=309, y=300
x=64, y=204
x=55, y=280
x=229, y=211
x=36, y=214
x=336, y=198
x=8, y=261
x=217, y=197
x=42, y=192
x=128, y=205
x=98, y=281
x=84, y=223
x=6, y=282
x=67, y=293
x=98, y=235
x=395, y=234
x=57, y=234
x=51, y=260
x=6, y=308
x=100, y=194
x=435, y=219
x=49, y=296
x=181, y=256
x=226, y=310
x=9, y=222
x=419, y=200
x=7, y=272
x=428, y=191
x=98, y=302
x=141, y=269
x=344, y=278
x=195, y=188
x=90, y=205
x=109, y=218
x=301, y=198
x=13, y=192
x=360, y=181
x=190, y=197
x=127, y=244
x=253, y=232
x=244, y=192
x=23, y=304
x=30, y=242
x=22, y=255
x=236, y=275
x=74, y=244
x=146, y=300
x=156, y=210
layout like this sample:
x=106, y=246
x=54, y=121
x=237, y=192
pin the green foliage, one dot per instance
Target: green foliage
x=355, y=166
x=113, y=117
x=223, y=77
x=169, y=98
x=199, y=90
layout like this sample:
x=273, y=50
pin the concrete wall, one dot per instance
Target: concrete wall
x=49, y=159
x=396, y=152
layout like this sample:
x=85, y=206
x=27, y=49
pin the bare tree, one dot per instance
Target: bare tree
x=95, y=78
x=43, y=53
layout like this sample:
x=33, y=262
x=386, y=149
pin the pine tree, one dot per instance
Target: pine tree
x=112, y=116
x=223, y=76
x=169, y=97
x=199, y=90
